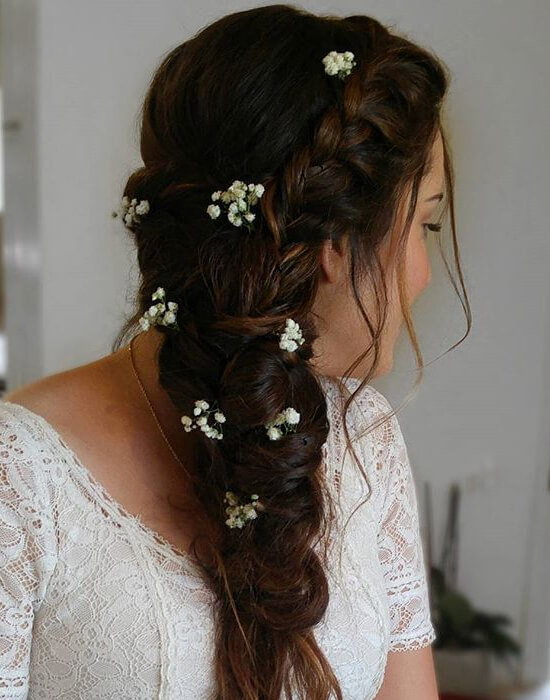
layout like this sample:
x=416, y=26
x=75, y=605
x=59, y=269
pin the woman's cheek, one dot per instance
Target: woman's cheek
x=428, y=273
x=419, y=269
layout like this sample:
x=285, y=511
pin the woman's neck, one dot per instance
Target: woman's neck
x=145, y=349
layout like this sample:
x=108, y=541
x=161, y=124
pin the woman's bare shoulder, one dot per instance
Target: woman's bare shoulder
x=66, y=393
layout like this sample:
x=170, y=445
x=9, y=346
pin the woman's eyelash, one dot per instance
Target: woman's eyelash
x=431, y=227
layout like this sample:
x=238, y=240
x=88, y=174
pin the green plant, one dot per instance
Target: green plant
x=458, y=625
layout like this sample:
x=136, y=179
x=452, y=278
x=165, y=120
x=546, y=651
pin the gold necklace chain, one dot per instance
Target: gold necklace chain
x=151, y=407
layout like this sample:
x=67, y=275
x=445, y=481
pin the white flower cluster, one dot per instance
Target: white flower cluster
x=240, y=198
x=339, y=63
x=157, y=314
x=202, y=410
x=131, y=211
x=286, y=419
x=291, y=337
x=239, y=514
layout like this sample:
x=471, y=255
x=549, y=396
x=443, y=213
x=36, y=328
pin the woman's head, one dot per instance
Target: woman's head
x=341, y=162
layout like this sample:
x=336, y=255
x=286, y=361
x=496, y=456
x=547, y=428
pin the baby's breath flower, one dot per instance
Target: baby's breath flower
x=231, y=498
x=156, y=314
x=131, y=211
x=234, y=219
x=213, y=210
x=291, y=337
x=283, y=423
x=142, y=208
x=292, y=416
x=201, y=409
x=274, y=433
x=239, y=514
x=240, y=197
x=339, y=63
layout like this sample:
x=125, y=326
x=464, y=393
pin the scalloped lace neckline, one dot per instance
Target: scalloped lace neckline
x=116, y=509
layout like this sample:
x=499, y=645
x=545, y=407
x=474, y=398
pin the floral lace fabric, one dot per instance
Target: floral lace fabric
x=95, y=605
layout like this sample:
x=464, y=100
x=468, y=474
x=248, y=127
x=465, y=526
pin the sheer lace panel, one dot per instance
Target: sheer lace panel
x=400, y=550
x=28, y=553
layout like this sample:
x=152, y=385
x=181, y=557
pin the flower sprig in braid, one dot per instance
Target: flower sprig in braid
x=239, y=198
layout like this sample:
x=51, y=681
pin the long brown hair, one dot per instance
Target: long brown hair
x=248, y=98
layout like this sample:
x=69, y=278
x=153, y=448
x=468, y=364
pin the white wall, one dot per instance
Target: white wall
x=21, y=244
x=481, y=406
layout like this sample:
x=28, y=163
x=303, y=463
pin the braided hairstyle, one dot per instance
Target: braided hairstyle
x=247, y=98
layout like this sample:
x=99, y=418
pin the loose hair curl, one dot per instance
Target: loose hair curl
x=247, y=98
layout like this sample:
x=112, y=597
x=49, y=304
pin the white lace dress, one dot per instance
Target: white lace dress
x=95, y=605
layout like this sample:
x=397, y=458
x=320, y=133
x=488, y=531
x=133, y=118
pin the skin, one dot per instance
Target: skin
x=100, y=412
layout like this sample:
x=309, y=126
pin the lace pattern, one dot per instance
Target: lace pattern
x=399, y=544
x=93, y=604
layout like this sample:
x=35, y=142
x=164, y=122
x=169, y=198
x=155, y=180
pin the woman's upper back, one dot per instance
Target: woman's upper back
x=92, y=408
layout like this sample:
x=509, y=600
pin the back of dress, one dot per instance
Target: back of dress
x=93, y=604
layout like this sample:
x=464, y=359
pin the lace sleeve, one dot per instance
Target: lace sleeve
x=28, y=550
x=399, y=543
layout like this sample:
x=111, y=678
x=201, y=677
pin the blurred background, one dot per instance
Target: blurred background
x=73, y=75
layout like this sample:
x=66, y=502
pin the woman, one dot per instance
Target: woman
x=174, y=512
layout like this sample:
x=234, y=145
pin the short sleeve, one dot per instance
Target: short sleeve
x=28, y=549
x=399, y=542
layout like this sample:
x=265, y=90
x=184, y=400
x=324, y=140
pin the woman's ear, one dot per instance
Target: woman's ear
x=333, y=260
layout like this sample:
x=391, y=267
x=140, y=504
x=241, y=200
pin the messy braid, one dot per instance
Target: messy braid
x=247, y=98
